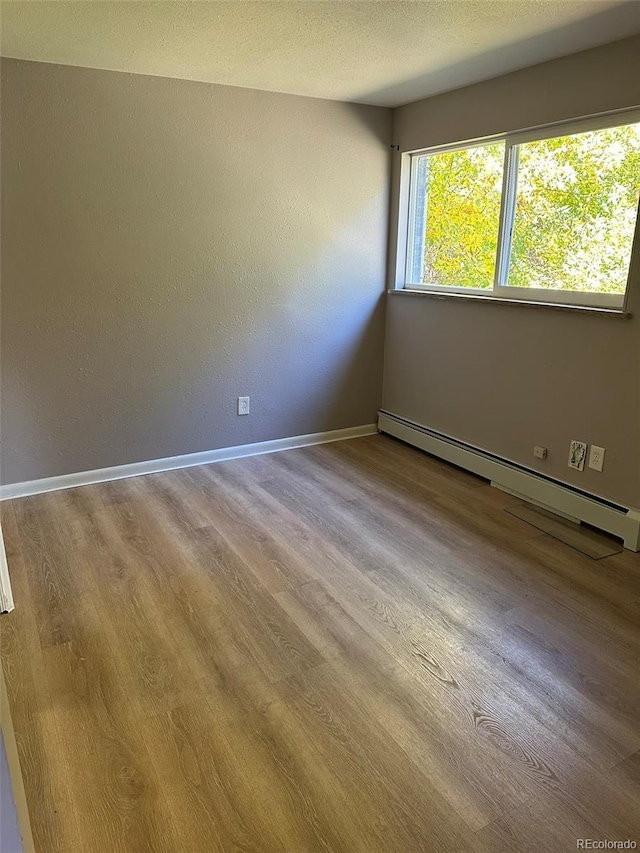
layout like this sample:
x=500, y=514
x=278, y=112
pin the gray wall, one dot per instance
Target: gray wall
x=170, y=245
x=10, y=840
x=506, y=378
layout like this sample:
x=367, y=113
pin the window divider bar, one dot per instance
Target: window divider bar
x=507, y=214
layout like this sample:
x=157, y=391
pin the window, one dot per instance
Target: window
x=545, y=216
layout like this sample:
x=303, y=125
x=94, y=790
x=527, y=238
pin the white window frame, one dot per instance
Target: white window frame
x=501, y=290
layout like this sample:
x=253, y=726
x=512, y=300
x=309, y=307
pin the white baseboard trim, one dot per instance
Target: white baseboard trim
x=618, y=520
x=188, y=460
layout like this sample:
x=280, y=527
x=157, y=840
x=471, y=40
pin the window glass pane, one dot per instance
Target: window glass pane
x=456, y=217
x=575, y=212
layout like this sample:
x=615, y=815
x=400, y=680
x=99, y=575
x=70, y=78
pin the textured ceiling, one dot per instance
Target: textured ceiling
x=385, y=53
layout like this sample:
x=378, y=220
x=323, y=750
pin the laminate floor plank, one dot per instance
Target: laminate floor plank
x=348, y=648
x=249, y=535
x=439, y=747
x=55, y=826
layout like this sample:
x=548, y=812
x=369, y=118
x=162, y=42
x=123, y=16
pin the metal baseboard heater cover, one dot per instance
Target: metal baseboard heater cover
x=620, y=521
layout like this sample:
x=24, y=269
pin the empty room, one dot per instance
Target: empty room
x=320, y=410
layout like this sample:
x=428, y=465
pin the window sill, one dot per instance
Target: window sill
x=473, y=297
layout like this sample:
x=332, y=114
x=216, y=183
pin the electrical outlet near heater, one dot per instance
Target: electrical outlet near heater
x=578, y=456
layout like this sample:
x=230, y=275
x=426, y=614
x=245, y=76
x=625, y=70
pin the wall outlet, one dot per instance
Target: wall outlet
x=596, y=457
x=243, y=405
x=540, y=452
x=577, y=455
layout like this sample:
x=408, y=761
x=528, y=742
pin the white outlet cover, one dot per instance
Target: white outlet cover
x=596, y=457
x=577, y=455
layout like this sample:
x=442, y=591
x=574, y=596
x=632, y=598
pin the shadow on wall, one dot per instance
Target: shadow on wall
x=346, y=361
x=171, y=245
x=360, y=370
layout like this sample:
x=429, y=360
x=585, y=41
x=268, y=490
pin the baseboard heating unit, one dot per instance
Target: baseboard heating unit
x=566, y=500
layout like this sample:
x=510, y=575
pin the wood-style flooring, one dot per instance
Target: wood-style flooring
x=350, y=648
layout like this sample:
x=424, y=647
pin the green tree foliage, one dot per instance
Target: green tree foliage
x=462, y=215
x=575, y=213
